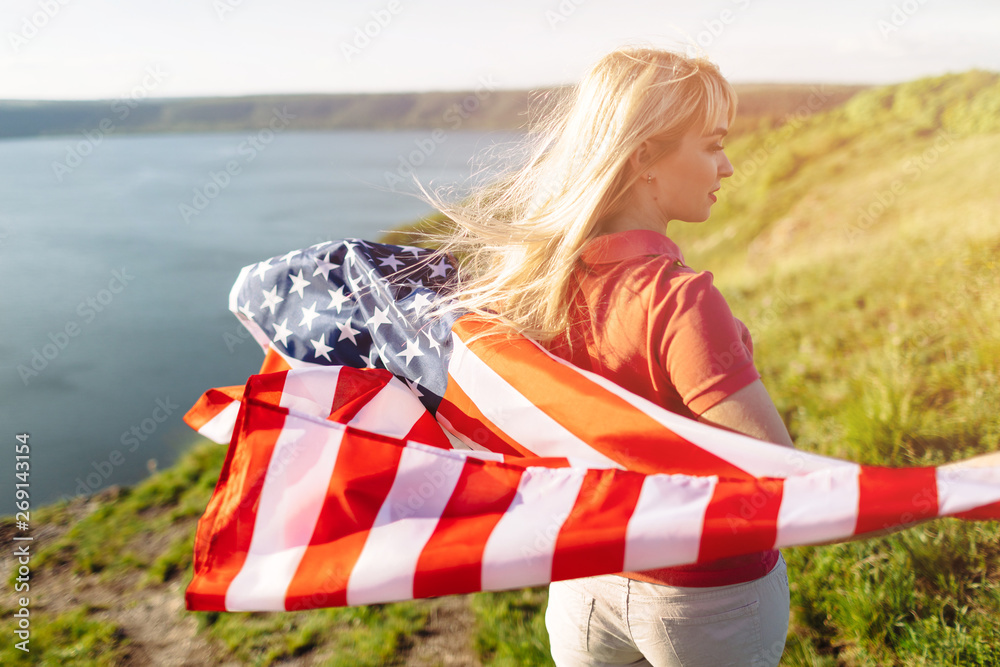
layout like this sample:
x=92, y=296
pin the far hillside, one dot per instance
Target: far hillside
x=485, y=108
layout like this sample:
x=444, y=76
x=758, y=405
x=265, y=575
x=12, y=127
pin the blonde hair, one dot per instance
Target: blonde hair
x=519, y=239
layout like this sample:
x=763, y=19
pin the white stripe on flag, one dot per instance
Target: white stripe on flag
x=220, y=427
x=310, y=390
x=393, y=411
x=291, y=498
x=420, y=491
x=519, y=551
x=458, y=440
x=965, y=488
x=511, y=411
x=818, y=507
x=758, y=458
x=668, y=521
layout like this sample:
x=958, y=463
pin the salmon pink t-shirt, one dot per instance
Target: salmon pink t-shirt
x=649, y=323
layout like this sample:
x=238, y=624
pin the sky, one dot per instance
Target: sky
x=109, y=49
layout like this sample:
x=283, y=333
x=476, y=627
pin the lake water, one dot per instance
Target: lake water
x=116, y=262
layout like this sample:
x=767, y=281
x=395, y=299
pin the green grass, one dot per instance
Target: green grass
x=510, y=628
x=72, y=638
x=362, y=636
x=107, y=540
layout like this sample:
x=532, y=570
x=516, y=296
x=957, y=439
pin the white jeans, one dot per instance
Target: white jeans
x=611, y=620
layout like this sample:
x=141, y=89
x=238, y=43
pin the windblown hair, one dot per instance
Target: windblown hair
x=519, y=239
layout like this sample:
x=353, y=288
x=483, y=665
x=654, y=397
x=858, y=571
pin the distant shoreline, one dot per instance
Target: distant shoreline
x=483, y=108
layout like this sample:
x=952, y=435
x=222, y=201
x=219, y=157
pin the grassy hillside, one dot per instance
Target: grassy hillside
x=861, y=248
x=859, y=244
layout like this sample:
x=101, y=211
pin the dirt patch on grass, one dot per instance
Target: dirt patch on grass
x=448, y=637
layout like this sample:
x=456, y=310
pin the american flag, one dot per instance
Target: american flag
x=384, y=453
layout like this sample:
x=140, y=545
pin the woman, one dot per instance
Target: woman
x=573, y=252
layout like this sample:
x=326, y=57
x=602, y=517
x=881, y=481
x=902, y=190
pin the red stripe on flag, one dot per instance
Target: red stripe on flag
x=989, y=512
x=211, y=403
x=741, y=518
x=451, y=561
x=597, y=525
x=226, y=529
x=429, y=432
x=895, y=497
x=467, y=419
x=267, y=388
x=599, y=417
x=355, y=388
x=361, y=479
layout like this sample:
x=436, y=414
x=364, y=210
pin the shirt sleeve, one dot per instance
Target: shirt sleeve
x=705, y=352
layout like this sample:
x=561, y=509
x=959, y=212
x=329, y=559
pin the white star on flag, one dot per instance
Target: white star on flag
x=392, y=262
x=440, y=269
x=432, y=343
x=322, y=349
x=338, y=298
x=299, y=284
x=262, y=268
x=245, y=309
x=378, y=318
x=282, y=332
x=324, y=267
x=347, y=331
x=420, y=301
x=288, y=256
x=271, y=299
x=412, y=350
x=413, y=386
x=308, y=315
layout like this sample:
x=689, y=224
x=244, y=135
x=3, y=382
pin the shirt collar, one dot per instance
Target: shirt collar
x=617, y=247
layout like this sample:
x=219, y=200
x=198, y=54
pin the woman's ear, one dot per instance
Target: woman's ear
x=640, y=156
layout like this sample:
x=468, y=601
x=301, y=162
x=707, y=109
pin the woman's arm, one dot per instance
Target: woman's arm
x=749, y=411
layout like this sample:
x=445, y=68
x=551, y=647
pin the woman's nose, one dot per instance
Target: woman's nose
x=726, y=167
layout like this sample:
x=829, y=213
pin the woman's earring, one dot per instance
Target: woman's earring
x=649, y=179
